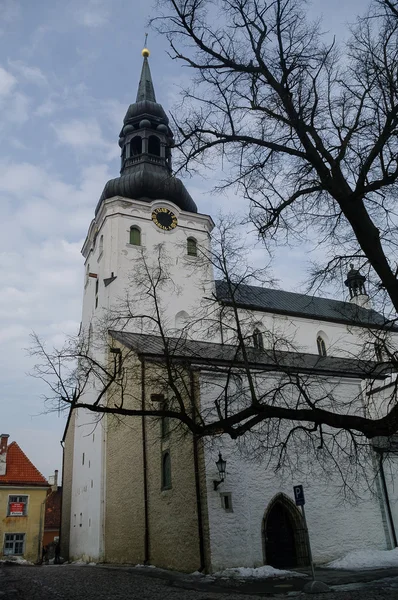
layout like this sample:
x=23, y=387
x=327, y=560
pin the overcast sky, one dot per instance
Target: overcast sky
x=68, y=71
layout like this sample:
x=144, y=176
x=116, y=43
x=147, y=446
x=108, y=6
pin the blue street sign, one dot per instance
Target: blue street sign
x=299, y=495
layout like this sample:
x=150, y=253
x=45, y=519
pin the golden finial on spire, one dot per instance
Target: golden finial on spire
x=145, y=52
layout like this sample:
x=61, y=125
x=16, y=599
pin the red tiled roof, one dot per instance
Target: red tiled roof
x=52, y=519
x=20, y=471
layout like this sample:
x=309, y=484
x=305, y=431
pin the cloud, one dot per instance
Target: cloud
x=17, y=111
x=32, y=75
x=9, y=10
x=94, y=14
x=7, y=82
x=86, y=136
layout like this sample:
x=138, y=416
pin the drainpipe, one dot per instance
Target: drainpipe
x=145, y=467
x=62, y=496
x=197, y=484
x=387, y=498
x=41, y=528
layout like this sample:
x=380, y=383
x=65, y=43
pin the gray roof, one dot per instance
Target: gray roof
x=145, y=88
x=149, y=183
x=207, y=354
x=299, y=305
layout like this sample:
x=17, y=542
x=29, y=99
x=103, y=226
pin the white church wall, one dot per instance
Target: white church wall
x=112, y=253
x=190, y=278
x=336, y=526
x=87, y=491
x=300, y=333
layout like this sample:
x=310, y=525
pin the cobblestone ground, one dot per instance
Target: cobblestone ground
x=96, y=583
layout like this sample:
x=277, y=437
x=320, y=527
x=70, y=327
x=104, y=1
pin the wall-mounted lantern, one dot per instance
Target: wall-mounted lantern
x=221, y=465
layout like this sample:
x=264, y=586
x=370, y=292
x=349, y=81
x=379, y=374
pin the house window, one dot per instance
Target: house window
x=166, y=471
x=87, y=273
x=226, y=501
x=320, y=342
x=135, y=236
x=101, y=245
x=14, y=543
x=17, y=506
x=192, y=249
x=258, y=339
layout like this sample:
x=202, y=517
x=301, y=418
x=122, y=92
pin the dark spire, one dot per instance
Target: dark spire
x=145, y=88
x=146, y=141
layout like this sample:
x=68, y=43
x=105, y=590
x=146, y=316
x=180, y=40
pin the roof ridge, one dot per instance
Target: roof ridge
x=259, y=287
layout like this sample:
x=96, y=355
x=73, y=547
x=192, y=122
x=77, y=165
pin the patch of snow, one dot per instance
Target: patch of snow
x=79, y=563
x=16, y=560
x=260, y=572
x=366, y=559
x=198, y=574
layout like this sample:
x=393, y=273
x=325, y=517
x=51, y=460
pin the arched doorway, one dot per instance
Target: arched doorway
x=284, y=537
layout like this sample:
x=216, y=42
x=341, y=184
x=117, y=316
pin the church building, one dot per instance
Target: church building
x=143, y=490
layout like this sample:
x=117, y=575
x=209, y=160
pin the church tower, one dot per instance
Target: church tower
x=143, y=214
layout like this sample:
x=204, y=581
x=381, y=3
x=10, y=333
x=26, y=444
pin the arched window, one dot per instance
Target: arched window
x=136, y=146
x=135, y=236
x=258, y=339
x=192, y=248
x=320, y=342
x=181, y=319
x=101, y=245
x=166, y=471
x=154, y=145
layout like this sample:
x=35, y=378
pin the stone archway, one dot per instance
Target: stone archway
x=284, y=537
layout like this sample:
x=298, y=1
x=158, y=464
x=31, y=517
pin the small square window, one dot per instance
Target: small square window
x=14, y=544
x=17, y=506
x=226, y=501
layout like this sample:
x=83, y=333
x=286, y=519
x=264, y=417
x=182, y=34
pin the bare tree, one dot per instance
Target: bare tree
x=260, y=389
x=307, y=129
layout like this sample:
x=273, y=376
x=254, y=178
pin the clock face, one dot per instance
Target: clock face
x=164, y=218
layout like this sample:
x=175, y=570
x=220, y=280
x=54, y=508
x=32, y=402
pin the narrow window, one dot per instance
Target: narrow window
x=135, y=236
x=136, y=146
x=166, y=471
x=101, y=245
x=379, y=351
x=96, y=293
x=87, y=273
x=258, y=339
x=154, y=145
x=17, y=506
x=226, y=501
x=192, y=249
x=83, y=458
x=165, y=423
x=14, y=544
x=81, y=520
x=320, y=342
